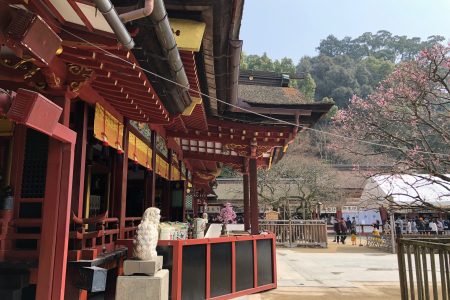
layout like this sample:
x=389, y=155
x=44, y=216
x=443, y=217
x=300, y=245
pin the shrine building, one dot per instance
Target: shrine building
x=108, y=107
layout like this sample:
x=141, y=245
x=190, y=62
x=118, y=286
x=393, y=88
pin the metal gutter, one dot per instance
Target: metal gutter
x=157, y=13
x=111, y=16
x=167, y=40
x=235, y=54
x=235, y=50
x=138, y=13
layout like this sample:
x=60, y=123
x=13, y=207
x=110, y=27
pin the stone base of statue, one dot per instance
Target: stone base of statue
x=143, y=287
x=147, y=267
x=143, y=280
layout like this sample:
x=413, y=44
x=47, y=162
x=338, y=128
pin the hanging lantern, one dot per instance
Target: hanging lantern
x=105, y=140
x=118, y=146
x=147, y=165
x=134, y=153
x=104, y=137
x=119, y=149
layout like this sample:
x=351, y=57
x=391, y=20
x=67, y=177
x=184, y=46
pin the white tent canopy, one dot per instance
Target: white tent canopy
x=407, y=191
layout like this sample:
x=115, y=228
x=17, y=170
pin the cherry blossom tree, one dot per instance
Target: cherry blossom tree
x=409, y=114
x=227, y=214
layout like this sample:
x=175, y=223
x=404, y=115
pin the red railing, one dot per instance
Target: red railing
x=131, y=224
x=97, y=233
x=224, y=268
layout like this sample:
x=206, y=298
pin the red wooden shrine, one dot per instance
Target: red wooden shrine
x=92, y=133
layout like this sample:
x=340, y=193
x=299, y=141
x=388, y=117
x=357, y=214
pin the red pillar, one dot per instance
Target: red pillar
x=63, y=222
x=245, y=180
x=121, y=183
x=184, y=190
x=56, y=212
x=150, y=178
x=79, y=170
x=194, y=206
x=195, y=198
x=167, y=193
x=19, y=142
x=153, y=175
x=254, y=211
x=184, y=200
x=55, y=222
x=147, y=193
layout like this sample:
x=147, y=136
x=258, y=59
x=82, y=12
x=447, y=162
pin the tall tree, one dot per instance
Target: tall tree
x=306, y=179
x=307, y=86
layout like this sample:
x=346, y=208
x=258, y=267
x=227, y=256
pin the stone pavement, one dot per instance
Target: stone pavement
x=340, y=272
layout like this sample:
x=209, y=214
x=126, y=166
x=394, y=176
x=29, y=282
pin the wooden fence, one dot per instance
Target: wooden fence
x=424, y=270
x=297, y=232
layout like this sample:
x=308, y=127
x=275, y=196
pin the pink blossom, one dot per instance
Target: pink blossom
x=227, y=214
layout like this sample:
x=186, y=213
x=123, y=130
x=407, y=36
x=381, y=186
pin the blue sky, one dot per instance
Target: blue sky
x=294, y=28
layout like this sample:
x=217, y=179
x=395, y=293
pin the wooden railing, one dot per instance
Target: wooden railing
x=424, y=269
x=99, y=232
x=297, y=232
x=131, y=224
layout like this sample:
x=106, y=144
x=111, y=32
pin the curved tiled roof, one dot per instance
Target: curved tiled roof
x=271, y=95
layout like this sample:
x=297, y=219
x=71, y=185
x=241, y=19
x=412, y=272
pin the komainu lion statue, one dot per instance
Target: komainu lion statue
x=147, y=235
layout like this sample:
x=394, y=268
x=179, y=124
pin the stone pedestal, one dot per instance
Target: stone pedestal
x=147, y=267
x=143, y=287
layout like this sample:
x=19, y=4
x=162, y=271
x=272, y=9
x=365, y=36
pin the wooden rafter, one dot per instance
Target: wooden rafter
x=229, y=138
x=120, y=83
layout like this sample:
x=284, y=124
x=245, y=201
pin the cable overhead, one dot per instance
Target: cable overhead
x=249, y=110
x=245, y=109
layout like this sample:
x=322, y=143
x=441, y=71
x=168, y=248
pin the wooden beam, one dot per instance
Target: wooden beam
x=56, y=217
x=91, y=96
x=132, y=90
x=213, y=157
x=213, y=122
x=47, y=249
x=64, y=103
x=226, y=138
x=73, y=37
x=82, y=16
x=282, y=111
x=63, y=221
x=113, y=90
x=80, y=158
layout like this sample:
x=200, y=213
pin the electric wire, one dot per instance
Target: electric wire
x=242, y=108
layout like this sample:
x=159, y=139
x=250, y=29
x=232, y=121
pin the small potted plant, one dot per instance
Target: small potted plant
x=227, y=216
